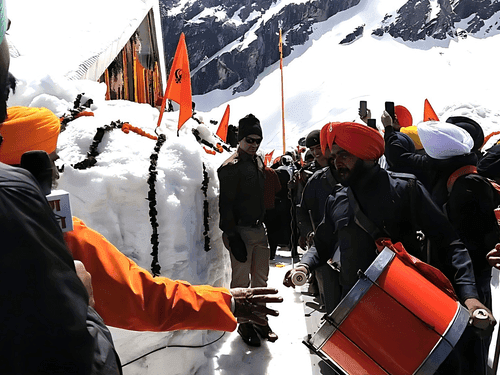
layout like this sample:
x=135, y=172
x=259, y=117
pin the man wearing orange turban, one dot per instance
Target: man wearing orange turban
x=392, y=204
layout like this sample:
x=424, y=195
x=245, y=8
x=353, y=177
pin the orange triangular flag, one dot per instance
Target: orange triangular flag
x=429, y=114
x=222, y=130
x=268, y=158
x=179, y=84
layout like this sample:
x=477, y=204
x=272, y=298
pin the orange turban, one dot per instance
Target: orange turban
x=28, y=129
x=359, y=140
x=404, y=116
x=324, y=136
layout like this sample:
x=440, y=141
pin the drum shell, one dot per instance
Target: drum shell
x=393, y=321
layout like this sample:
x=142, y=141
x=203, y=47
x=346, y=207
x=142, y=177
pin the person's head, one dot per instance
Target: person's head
x=471, y=127
x=313, y=143
x=308, y=156
x=4, y=62
x=249, y=134
x=28, y=129
x=354, y=147
x=442, y=140
x=403, y=117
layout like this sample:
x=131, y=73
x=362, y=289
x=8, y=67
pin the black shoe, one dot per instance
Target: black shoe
x=266, y=332
x=248, y=334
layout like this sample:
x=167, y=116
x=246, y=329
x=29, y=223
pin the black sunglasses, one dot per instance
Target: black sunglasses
x=253, y=140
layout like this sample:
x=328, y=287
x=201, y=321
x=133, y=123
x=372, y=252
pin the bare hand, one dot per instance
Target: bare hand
x=493, y=257
x=287, y=281
x=367, y=117
x=86, y=279
x=484, y=322
x=250, y=304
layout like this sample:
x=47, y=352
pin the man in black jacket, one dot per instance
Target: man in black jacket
x=242, y=210
x=396, y=206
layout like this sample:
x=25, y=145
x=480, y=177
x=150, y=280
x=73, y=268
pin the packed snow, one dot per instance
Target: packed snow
x=323, y=81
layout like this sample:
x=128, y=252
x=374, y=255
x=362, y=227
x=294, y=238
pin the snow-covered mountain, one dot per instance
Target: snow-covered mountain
x=231, y=42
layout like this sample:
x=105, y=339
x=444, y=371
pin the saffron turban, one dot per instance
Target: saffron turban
x=404, y=116
x=324, y=136
x=359, y=140
x=28, y=129
x=412, y=132
x=442, y=140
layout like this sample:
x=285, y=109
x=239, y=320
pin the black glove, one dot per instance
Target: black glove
x=237, y=247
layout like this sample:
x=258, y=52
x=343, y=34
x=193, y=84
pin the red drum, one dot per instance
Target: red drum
x=393, y=321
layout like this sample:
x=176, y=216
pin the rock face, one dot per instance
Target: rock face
x=231, y=42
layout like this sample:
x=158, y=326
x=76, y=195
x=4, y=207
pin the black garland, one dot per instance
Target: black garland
x=155, y=265
x=90, y=160
x=204, y=188
x=196, y=134
x=78, y=107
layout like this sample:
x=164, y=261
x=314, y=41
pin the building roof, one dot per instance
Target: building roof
x=76, y=39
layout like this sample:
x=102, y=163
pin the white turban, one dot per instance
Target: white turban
x=442, y=140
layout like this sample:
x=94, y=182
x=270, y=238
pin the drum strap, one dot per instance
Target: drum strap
x=363, y=221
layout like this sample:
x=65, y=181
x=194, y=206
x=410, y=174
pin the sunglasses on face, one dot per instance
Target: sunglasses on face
x=253, y=140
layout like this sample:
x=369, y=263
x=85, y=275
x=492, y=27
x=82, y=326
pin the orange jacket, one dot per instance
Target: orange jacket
x=129, y=297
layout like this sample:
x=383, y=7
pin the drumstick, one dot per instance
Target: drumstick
x=497, y=353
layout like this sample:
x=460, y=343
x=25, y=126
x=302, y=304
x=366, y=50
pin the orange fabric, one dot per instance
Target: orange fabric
x=487, y=138
x=211, y=152
x=268, y=158
x=222, y=130
x=84, y=113
x=431, y=273
x=429, y=114
x=126, y=128
x=128, y=297
x=179, y=83
x=359, y=140
x=412, y=132
x=404, y=116
x=28, y=129
x=325, y=136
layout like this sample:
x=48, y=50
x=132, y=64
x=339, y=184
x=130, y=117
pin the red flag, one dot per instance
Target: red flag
x=429, y=114
x=179, y=84
x=222, y=130
x=268, y=158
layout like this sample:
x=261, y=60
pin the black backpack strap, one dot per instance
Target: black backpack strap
x=362, y=220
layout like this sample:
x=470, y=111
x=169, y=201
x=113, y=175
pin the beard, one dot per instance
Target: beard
x=348, y=176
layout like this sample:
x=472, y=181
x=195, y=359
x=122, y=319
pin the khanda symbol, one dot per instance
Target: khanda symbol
x=178, y=75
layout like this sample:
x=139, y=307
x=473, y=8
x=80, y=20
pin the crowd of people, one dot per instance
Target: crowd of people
x=432, y=188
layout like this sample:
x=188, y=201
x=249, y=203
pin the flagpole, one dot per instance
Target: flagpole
x=282, y=95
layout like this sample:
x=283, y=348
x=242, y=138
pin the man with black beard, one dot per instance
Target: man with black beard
x=386, y=199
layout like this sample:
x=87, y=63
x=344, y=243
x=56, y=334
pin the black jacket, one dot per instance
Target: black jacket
x=44, y=326
x=314, y=196
x=241, y=199
x=470, y=208
x=387, y=201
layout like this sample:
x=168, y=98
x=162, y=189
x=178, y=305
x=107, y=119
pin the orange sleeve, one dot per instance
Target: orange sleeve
x=129, y=297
